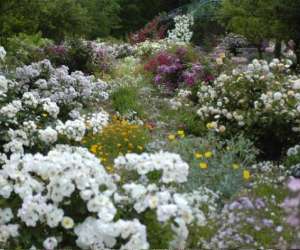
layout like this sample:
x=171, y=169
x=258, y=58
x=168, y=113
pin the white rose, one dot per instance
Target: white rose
x=50, y=243
x=296, y=84
x=67, y=222
x=222, y=129
x=277, y=96
x=3, y=84
x=2, y=53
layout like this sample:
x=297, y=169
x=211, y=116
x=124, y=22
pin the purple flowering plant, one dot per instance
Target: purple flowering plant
x=253, y=220
x=176, y=68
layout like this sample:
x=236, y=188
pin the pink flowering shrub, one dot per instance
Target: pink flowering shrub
x=154, y=30
x=174, y=69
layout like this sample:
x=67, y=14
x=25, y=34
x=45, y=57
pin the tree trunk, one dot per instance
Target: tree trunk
x=277, y=51
x=260, y=51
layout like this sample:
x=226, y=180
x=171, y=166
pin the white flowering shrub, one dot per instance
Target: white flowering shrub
x=42, y=107
x=66, y=198
x=2, y=53
x=182, y=99
x=182, y=31
x=126, y=74
x=148, y=48
x=263, y=101
x=117, y=50
x=151, y=181
x=57, y=84
x=292, y=161
x=44, y=187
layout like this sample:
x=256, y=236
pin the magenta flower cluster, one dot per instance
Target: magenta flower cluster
x=174, y=70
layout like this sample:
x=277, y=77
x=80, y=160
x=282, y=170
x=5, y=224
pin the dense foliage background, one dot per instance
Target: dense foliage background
x=89, y=18
x=58, y=19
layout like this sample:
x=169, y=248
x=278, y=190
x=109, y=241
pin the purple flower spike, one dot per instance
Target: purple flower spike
x=294, y=185
x=259, y=203
x=267, y=222
x=247, y=204
x=293, y=220
x=158, y=79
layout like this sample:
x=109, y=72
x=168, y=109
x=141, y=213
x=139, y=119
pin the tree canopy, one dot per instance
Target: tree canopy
x=57, y=19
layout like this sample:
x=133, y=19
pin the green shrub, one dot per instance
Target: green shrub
x=216, y=164
x=24, y=49
x=125, y=100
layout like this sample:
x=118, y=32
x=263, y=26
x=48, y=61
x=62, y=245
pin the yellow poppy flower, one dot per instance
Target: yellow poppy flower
x=93, y=148
x=172, y=137
x=209, y=125
x=198, y=155
x=208, y=154
x=181, y=133
x=203, y=165
x=246, y=175
x=235, y=166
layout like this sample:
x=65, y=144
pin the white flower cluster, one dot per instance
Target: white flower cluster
x=173, y=168
x=48, y=135
x=114, y=49
x=46, y=184
x=50, y=107
x=2, y=53
x=96, y=234
x=229, y=99
x=293, y=150
x=182, y=31
x=49, y=244
x=96, y=121
x=26, y=133
x=148, y=48
x=181, y=209
x=127, y=74
x=3, y=85
x=265, y=171
x=76, y=129
x=182, y=99
x=39, y=102
x=168, y=204
x=10, y=110
x=73, y=130
x=7, y=230
x=58, y=85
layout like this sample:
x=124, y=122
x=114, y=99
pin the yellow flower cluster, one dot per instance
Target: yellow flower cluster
x=118, y=138
x=203, y=157
x=179, y=134
x=203, y=164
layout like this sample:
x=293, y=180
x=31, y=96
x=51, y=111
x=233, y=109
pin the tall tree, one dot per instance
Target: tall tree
x=60, y=18
x=255, y=19
x=104, y=16
x=134, y=14
x=15, y=15
x=55, y=18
